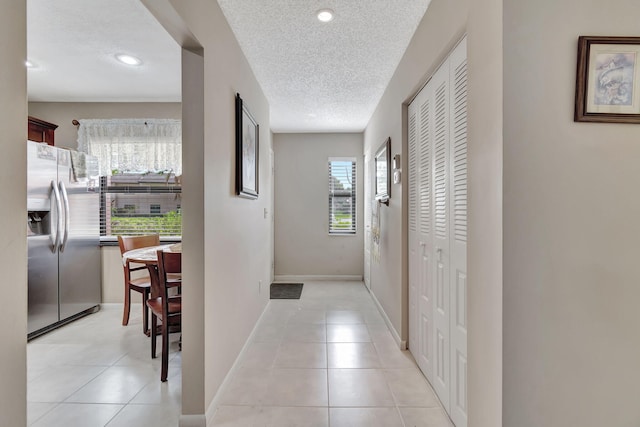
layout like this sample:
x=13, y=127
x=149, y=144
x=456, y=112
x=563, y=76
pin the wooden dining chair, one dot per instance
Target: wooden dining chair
x=166, y=308
x=140, y=284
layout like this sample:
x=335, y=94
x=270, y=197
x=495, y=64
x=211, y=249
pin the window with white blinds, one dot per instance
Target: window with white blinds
x=140, y=165
x=342, y=195
x=136, y=204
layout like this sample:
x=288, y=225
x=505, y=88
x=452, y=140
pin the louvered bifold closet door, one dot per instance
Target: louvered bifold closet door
x=414, y=246
x=425, y=232
x=458, y=263
x=441, y=208
x=420, y=199
x=437, y=157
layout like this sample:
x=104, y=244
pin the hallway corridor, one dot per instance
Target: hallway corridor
x=327, y=359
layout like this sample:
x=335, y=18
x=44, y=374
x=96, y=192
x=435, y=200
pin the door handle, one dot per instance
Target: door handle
x=56, y=194
x=439, y=252
x=67, y=220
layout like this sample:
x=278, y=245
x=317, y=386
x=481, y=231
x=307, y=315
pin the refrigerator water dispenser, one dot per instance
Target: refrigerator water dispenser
x=38, y=223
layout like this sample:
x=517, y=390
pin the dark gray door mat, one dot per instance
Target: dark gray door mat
x=286, y=290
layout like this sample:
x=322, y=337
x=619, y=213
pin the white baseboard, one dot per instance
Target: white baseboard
x=396, y=336
x=215, y=402
x=213, y=407
x=318, y=278
x=193, y=421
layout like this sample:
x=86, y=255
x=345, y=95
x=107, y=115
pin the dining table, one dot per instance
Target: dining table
x=149, y=257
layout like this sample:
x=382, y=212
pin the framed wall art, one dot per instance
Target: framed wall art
x=608, y=80
x=383, y=179
x=247, y=149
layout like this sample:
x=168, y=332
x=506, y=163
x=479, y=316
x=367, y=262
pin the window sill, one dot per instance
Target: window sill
x=113, y=240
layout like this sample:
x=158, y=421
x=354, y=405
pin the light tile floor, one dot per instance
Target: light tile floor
x=327, y=359
x=95, y=372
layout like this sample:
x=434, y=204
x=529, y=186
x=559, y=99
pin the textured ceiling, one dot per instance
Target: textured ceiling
x=323, y=76
x=318, y=77
x=73, y=44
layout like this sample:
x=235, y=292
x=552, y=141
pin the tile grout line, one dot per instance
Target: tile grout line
x=326, y=346
x=55, y=405
x=115, y=415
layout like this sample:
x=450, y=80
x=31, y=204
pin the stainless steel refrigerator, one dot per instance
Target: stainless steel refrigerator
x=63, y=236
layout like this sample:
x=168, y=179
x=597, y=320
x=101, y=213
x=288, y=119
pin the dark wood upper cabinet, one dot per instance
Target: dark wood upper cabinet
x=41, y=131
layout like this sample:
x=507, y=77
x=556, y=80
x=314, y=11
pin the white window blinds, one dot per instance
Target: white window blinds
x=342, y=195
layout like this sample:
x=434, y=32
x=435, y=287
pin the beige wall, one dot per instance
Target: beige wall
x=230, y=235
x=193, y=196
x=13, y=185
x=484, y=248
x=62, y=113
x=571, y=229
x=303, y=245
x=112, y=276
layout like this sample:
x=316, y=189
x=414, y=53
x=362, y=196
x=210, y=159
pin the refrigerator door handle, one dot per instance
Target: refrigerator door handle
x=56, y=193
x=67, y=220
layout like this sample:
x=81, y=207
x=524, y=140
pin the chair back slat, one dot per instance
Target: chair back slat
x=168, y=262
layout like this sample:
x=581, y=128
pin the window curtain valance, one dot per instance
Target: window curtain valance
x=133, y=145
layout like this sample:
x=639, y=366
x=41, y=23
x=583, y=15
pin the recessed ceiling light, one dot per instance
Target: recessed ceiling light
x=128, y=59
x=29, y=64
x=325, y=15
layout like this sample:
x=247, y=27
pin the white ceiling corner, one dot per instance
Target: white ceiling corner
x=317, y=77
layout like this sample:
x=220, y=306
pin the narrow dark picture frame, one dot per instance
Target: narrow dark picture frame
x=608, y=80
x=247, y=152
x=382, y=163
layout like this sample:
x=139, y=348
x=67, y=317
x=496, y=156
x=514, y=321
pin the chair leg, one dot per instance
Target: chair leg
x=127, y=305
x=154, y=328
x=145, y=312
x=165, y=351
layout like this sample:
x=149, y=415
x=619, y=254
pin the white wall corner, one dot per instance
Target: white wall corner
x=198, y=420
x=402, y=344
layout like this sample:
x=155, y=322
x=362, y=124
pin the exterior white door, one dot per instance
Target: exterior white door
x=437, y=160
